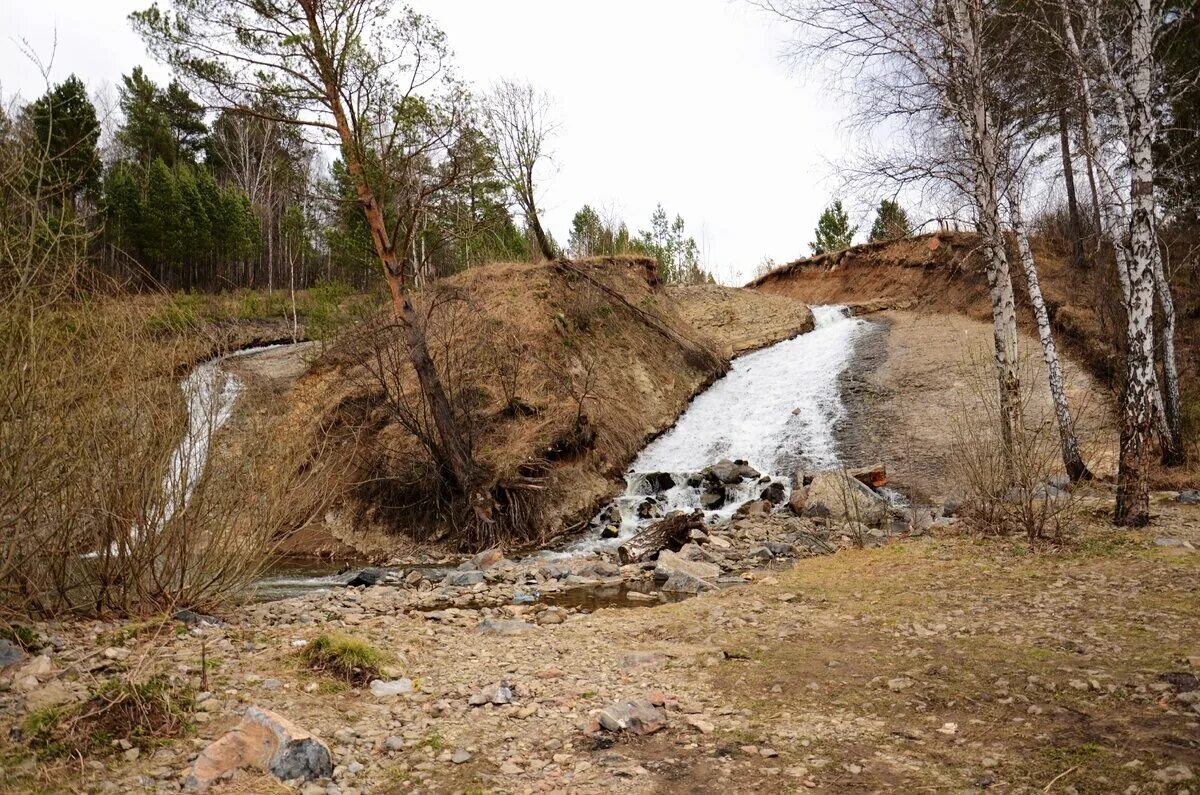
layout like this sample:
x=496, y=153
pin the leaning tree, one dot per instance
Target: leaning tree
x=371, y=78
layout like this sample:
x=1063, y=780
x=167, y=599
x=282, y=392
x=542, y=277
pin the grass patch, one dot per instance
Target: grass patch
x=147, y=713
x=350, y=659
x=22, y=636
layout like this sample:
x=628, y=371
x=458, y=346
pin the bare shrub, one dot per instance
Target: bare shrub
x=1023, y=490
x=99, y=511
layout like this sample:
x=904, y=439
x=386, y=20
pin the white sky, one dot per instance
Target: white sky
x=680, y=101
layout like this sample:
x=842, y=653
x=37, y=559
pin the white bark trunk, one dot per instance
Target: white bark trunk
x=963, y=30
x=1133, y=500
x=1114, y=217
x=1072, y=458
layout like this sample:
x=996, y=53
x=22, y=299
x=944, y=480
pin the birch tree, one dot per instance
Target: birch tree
x=520, y=124
x=940, y=60
x=1071, y=455
x=371, y=79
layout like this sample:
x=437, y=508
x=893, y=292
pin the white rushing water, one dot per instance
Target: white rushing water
x=776, y=409
x=210, y=392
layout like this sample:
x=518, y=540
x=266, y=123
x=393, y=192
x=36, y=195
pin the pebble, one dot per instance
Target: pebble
x=460, y=757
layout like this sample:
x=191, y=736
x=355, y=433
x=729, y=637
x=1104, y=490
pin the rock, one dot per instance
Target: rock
x=397, y=687
x=1174, y=774
x=609, y=516
x=753, y=508
x=488, y=558
x=649, y=509
x=699, y=724
x=265, y=741
x=503, y=627
x=367, y=578
x=760, y=554
x=599, y=568
x=838, y=496
x=641, y=659
x=660, y=481
x=51, y=694
x=10, y=653
x=41, y=668
x=874, y=477
x=899, y=683
x=393, y=743
x=725, y=472
x=194, y=619
x=746, y=471
x=610, y=531
x=117, y=653
x=712, y=498
x=774, y=493
x=460, y=757
x=636, y=717
x=463, y=579
x=780, y=549
x=682, y=582
x=1190, y=497
x=669, y=563
x=494, y=694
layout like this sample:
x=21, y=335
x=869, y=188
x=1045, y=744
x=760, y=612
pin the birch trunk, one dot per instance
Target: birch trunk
x=1174, y=452
x=1168, y=412
x=964, y=30
x=1133, y=493
x=1072, y=458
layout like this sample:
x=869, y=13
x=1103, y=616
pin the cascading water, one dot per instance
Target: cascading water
x=776, y=409
x=211, y=393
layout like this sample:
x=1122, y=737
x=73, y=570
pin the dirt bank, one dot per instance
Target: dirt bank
x=910, y=397
x=941, y=275
x=568, y=372
x=740, y=320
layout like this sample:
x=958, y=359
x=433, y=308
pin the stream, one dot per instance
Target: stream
x=777, y=409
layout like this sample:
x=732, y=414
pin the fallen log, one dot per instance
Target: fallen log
x=671, y=532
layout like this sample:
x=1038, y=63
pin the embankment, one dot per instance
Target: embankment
x=559, y=372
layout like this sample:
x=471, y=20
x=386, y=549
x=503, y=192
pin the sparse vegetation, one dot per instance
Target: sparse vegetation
x=350, y=659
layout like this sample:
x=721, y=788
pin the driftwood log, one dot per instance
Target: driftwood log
x=671, y=532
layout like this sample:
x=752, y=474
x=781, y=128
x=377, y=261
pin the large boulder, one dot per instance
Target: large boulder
x=728, y=472
x=264, y=741
x=683, y=582
x=670, y=563
x=837, y=496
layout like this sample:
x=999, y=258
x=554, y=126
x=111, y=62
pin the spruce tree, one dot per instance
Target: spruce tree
x=64, y=123
x=891, y=222
x=833, y=232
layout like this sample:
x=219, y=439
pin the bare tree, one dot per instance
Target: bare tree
x=520, y=122
x=937, y=61
x=369, y=78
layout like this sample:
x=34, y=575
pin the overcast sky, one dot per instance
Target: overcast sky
x=683, y=102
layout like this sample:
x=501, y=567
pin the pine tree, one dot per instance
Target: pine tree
x=891, y=222
x=833, y=232
x=64, y=123
x=158, y=228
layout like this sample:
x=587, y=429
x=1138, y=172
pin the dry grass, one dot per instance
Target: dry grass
x=551, y=426
x=91, y=413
